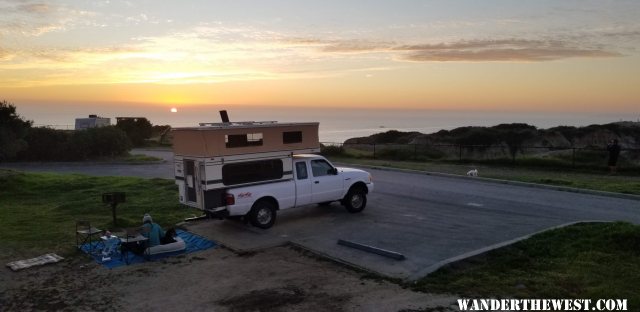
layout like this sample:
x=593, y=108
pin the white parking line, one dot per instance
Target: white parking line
x=475, y=204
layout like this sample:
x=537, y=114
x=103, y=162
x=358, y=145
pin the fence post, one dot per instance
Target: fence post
x=460, y=152
x=573, y=158
x=415, y=151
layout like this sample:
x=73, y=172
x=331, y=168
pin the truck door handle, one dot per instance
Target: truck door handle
x=347, y=179
x=316, y=182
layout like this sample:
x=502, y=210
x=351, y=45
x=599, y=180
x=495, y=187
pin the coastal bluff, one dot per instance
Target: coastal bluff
x=592, y=136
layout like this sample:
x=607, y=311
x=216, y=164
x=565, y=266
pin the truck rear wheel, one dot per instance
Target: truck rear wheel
x=263, y=214
x=355, y=200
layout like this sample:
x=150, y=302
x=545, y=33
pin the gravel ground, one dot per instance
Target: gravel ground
x=277, y=279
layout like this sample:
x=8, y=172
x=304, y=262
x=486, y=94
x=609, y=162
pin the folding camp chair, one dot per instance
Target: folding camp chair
x=85, y=234
x=134, y=241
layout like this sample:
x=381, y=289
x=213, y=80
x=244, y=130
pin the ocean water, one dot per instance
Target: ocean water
x=336, y=125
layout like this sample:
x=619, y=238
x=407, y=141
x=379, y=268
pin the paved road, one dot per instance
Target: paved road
x=429, y=219
x=152, y=170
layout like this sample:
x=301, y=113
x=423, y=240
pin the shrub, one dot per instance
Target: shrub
x=332, y=150
x=137, y=129
x=395, y=154
x=13, y=129
x=108, y=141
x=46, y=144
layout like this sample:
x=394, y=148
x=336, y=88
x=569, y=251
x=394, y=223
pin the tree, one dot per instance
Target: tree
x=13, y=130
x=514, y=135
x=137, y=129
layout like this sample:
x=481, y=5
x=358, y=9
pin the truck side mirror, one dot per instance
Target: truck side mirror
x=333, y=171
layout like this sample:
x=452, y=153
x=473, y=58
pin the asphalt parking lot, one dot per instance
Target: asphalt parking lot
x=429, y=219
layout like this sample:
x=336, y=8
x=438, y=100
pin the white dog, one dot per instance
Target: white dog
x=473, y=173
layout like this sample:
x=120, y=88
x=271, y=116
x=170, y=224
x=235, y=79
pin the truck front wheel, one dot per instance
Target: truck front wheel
x=263, y=214
x=355, y=200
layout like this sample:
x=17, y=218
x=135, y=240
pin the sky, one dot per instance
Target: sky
x=490, y=55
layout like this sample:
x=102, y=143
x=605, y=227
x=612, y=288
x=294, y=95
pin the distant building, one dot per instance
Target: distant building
x=92, y=122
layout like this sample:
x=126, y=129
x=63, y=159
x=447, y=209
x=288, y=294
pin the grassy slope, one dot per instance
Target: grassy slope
x=581, y=261
x=629, y=184
x=38, y=211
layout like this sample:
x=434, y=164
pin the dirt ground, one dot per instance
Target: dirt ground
x=276, y=279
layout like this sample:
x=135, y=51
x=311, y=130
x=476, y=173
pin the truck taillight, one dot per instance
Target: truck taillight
x=229, y=199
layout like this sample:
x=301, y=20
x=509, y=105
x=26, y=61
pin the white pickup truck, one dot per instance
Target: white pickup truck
x=315, y=181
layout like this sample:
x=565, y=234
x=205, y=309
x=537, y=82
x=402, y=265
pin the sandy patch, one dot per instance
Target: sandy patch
x=277, y=279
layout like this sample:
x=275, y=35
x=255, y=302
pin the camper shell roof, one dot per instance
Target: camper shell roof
x=208, y=126
x=238, y=138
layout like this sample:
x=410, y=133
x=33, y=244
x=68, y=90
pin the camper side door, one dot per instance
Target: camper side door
x=190, y=181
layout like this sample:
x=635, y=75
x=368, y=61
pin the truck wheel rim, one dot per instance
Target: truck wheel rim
x=356, y=201
x=264, y=216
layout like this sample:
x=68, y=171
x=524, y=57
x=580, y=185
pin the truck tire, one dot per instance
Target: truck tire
x=263, y=214
x=355, y=200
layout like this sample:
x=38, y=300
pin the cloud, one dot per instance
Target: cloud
x=37, y=8
x=24, y=18
x=497, y=50
x=5, y=55
x=356, y=46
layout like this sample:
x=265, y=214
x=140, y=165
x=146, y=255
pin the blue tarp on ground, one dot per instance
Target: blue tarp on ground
x=193, y=243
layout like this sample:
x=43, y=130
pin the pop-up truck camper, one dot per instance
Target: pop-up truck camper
x=254, y=169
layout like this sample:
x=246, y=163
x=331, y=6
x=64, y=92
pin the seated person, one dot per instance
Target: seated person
x=155, y=233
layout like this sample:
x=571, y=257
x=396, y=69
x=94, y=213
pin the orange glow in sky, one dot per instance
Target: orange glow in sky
x=536, y=55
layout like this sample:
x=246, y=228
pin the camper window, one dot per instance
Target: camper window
x=289, y=137
x=253, y=171
x=243, y=140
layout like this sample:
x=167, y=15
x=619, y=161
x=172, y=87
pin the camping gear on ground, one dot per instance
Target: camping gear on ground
x=44, y=259
x=192, y=243
x=85, y=233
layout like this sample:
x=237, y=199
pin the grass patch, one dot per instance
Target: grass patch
x=38, y=210
x=586, y=179
x=593, y=261
x=139, y=158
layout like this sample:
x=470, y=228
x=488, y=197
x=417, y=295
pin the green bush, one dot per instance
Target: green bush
x=137, y=129
x=46, y=144
x=332, y=150
x=395, y=154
